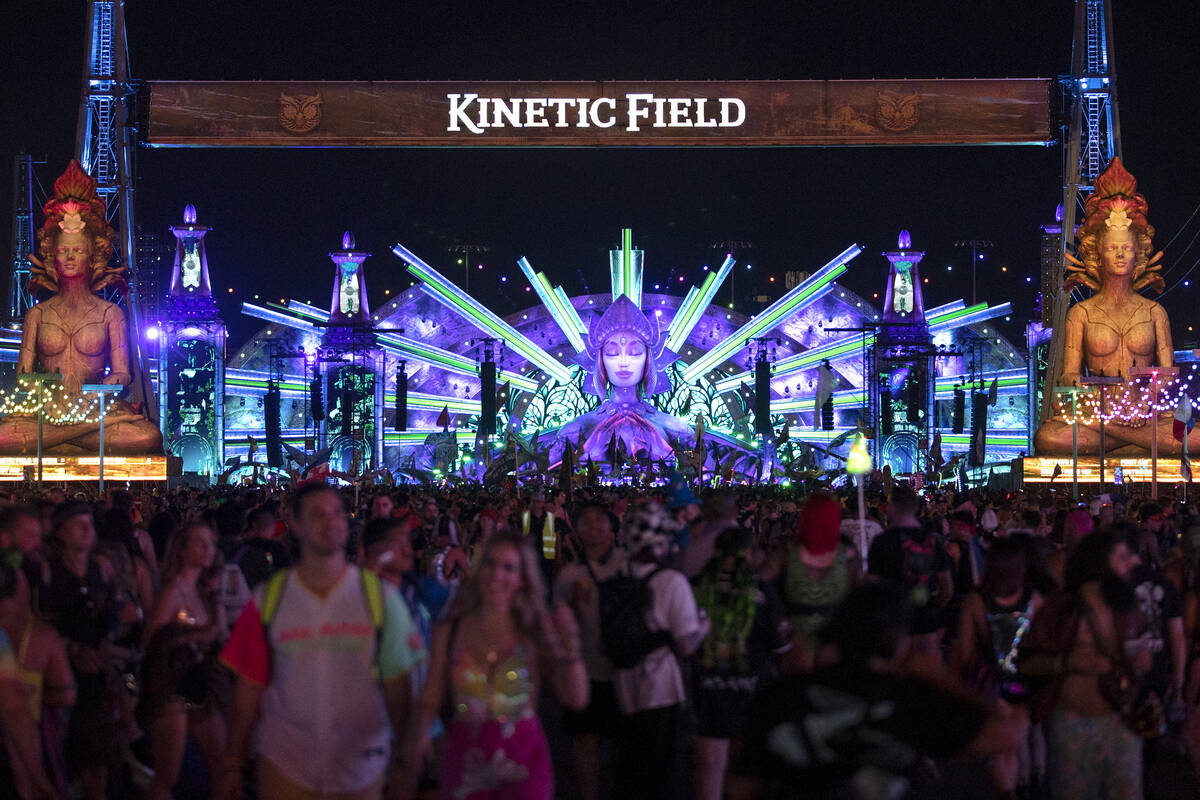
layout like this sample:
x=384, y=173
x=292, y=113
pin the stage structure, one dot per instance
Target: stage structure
x=704, y=369
x=902, y=364
x=191, y=361
x=353, y=367
x=330, y=356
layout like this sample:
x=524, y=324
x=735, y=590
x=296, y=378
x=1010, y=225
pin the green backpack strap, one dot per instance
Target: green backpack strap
x=373, y=594
x=275, y=586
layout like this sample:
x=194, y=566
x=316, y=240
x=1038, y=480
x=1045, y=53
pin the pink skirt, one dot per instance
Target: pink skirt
x=496, y=761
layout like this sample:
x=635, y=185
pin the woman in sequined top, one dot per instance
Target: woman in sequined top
x=489, y=660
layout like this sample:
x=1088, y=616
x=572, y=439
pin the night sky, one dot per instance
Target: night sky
x=277, y=213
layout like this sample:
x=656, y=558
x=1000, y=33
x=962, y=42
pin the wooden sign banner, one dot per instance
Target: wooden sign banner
x=599, y=114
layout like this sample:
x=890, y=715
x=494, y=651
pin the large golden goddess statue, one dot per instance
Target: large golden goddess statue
x=76, y=334
x=1116, y=329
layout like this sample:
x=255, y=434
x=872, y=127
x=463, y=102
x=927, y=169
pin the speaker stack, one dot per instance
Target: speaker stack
x=273, y=426
x=401, y=398
x=762, y=396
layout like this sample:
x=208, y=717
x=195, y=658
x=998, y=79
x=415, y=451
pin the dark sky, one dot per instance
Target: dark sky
x=277, y=213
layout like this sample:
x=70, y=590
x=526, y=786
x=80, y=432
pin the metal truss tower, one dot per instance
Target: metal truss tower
x=1091, y=141
x=104, y=146
x=19, y=298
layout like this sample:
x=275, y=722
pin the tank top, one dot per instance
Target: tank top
x=809, y=600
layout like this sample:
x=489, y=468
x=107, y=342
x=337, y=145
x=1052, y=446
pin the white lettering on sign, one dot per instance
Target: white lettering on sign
x=474, y=114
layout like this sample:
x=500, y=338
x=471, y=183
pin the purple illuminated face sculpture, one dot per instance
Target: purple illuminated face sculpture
x=627, y=350
x=623, y=359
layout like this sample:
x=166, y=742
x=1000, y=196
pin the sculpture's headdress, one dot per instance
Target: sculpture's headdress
x=75, y=207
x=623, y=315
x=1115, y=204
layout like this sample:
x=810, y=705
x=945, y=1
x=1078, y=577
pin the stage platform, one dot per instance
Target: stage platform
x=1132, y=470
x=85, y=468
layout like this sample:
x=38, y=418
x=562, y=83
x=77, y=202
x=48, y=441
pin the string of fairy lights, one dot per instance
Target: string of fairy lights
x=58, y=406
x=1131, y=402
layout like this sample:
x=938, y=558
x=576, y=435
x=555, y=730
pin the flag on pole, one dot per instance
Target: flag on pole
x=993, y=390
x=825, y=382
x=444, y=418
x=784, y=434
x=935, y=452
x=1057, y=472
x=1186, y=468
x=1183, y=418
x=318, y=473
x=566, y=470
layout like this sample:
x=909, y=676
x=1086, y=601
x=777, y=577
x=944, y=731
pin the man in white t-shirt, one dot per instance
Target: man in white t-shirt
x=323, y=676
x=651, y=694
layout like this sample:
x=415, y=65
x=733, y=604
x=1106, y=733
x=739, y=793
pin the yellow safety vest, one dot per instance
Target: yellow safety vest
x=549, y=538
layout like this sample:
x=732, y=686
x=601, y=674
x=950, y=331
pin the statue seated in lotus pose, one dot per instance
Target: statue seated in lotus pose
x=626, y=346
x=76, y=334
x=1116, y=329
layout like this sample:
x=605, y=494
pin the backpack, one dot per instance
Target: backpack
x=372, y=592
x=917, y=560
x=624, y=601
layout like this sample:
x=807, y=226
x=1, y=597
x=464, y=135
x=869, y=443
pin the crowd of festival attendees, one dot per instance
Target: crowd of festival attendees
x=471, y=643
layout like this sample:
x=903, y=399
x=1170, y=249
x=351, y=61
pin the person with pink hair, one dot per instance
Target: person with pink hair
x=821, y=569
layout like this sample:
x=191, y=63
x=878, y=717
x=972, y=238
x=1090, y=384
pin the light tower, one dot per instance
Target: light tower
x=904, y=305
x=902, y=356
x=191, y=364
x=1093, y=139
x=104, y=147
x=19, y=297
x=354, y=388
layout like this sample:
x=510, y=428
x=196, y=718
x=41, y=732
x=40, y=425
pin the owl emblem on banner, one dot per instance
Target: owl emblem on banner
x=299, y=113
x=897, y=113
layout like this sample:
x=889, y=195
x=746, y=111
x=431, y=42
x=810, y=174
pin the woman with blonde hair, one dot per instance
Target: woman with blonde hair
x=490, y=658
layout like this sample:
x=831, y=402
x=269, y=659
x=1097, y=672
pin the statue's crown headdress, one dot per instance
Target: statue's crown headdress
x=74, y=198
x=75, y=207
x=1115, y=200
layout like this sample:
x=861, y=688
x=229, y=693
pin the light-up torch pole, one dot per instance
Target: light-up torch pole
x=858, y=462
x=1155, y=373
x=41, y=379
x=1074, y=392
x=104, y=390
x=1102, y=382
